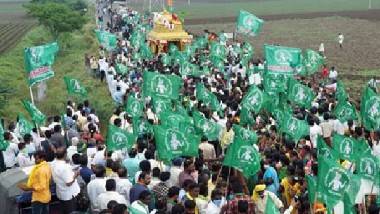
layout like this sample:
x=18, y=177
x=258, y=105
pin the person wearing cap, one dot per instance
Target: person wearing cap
x=260, y=197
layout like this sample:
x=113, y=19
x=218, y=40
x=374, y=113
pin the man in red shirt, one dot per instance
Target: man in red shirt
x=325, y=72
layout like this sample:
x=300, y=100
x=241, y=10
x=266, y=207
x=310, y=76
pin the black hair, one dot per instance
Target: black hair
x=99, y=171
x=144, y=194
x=156, y=172
x=145, y=166
x=173, y=191
x=110, y=185
x=164, y=176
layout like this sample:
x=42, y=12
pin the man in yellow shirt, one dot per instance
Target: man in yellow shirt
x=39, y=184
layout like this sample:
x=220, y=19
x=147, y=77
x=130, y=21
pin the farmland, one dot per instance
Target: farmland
x=14, y=23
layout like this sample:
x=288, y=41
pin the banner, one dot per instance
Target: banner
x=38, y=61
x=36, y=115
x=106, y=39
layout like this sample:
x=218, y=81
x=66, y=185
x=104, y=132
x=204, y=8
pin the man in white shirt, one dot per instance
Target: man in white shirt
x=340, y=40
x=10, y=152
x=97, y=185
x=333, y=74
x=67, y=187
x=216, y=203
x=141, y=205
x=110, y=195
x=208, y=149
x=123, y=185
x=315, y=130
x=175, y=170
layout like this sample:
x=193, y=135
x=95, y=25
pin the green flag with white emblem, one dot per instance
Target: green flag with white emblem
x=121, y=68
x=208, y=128
x=73, y=86
x=345, y=111
x=161, y=105
x=173, y=143
x=134, y=107
x=244, y=134
x=255, y=99
x=141, y=127
x=172, y=119
x=38, y=61
x=118, y=138
x=160, y=85
x=368, y=167
x=340, y=94
x=345, y=147
x=370, y=109
x=333, y=180
x=106, y=39
x=323, y=150
x=312, y=61
x=282, y=59
x=300, y=94
x=217, y=51
x=243, y=156
x=36, y=115
x=293, y=127
x=23, y=126
x=248, y=23
x=275, y=82
x=207, y=97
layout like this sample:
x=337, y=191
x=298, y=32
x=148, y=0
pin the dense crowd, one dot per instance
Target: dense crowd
x=71, y=161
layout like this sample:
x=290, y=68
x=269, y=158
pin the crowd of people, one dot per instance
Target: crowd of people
x=70, y=160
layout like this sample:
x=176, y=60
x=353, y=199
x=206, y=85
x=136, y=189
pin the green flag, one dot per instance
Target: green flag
x=293, y=127
x=368, y=167
x=247, y=117
x=118, y=138
x=106, y=39
x=134, y=107
x=36, y=115
x=208, y=128
x=275, y=82
x=333, y=180
x=73, y=86
x=38, y=61
x=207, y=97
x=323, y=150
x=311, y=187
x=248, y=23
x=173, y=143
x=312, y=61
x=121, y=68
x=340, y=93
x=160, y=85
x=161, y=105
x=255, y=99
x=141, y=127
x=345, y=147
x=300, y=94
x=165, y=59
x=217, y=51
x=172, y=119
x=23, y=125
x=270, y=207
x=3, y=143
x=282, y=59
x=345, y=111
x=370, y=109
x=243, y=156
x=244, y=134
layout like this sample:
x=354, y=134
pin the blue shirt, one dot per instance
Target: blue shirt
x=270, y=172
x=135, y=192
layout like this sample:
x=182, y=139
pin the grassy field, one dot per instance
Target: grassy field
x=14, y=23
x=70, y=61
x=228, y=8
x=356, y=63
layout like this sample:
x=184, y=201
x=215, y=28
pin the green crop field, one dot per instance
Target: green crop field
x=14, y=23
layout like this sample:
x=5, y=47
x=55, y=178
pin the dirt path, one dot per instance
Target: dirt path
x=373, y=15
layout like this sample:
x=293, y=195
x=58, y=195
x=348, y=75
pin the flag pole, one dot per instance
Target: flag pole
x=37, y=127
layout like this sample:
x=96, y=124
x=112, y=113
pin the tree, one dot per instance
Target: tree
x=56, y=17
